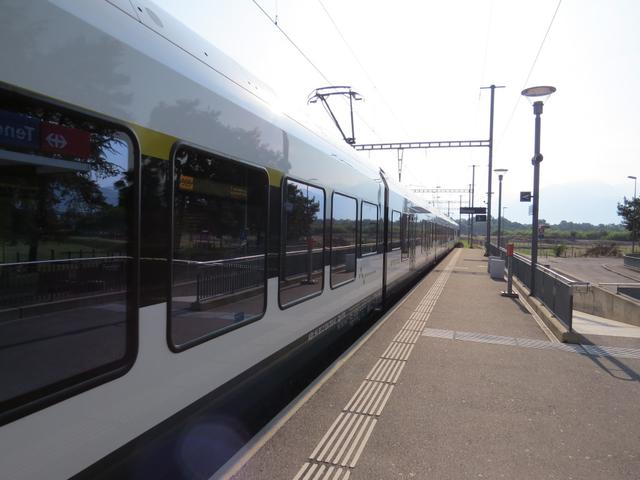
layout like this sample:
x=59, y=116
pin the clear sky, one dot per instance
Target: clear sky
x=420, y=64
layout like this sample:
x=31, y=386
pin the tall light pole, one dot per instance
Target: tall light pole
x=536, y=95
x=488, y=239
x=473, y=188
x=633, y=227
x=469, y=220
x=500, y=172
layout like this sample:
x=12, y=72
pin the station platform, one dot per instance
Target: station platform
x=457, y=382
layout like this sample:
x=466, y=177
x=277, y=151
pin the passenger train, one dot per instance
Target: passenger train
x=166, y=235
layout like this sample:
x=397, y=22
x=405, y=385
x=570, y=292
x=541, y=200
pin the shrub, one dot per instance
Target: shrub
x=603, y=250
x=559, y=250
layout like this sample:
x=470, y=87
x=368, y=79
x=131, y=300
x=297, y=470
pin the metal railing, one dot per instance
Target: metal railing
x=633, y=292
x=494, y=251
x=30, y=283
x=632, y=260
x=630, y=289
x=553, y=289
x=221, y=277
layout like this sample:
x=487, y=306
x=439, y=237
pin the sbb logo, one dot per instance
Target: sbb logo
x=65, y=140
x=56, y=140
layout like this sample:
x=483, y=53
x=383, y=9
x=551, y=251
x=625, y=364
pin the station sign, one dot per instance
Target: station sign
x=65, y=140
x=473, y=210
x=481, y=218
x=19, y=130
x=22, y=131
x=525, y=196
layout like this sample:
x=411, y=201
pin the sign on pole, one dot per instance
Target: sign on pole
x=473, y=210
x=481, y=218
x=525, y=196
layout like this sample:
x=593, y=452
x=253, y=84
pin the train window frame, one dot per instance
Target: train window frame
x=229, y=328
x=43, y=397
x=333, y=286
x=360, y=243
x=399, y=232
x=283, y=241
x=405, y=247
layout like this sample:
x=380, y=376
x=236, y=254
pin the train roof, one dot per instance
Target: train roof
x=164, y=24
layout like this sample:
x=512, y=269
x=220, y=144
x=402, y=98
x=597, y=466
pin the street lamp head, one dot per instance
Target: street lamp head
x=632, y=177
x=500, y=172
x=538, y=93
x=537, y=96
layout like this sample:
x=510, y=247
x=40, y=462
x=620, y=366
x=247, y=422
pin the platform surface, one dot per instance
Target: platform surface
x=459, y=383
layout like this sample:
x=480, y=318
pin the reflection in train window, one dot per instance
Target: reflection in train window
x=219, y=246
x=302, y=272
x=67, y=194
x=343, y=239
x=395, y=230
x=404, y=236
x=368, y=228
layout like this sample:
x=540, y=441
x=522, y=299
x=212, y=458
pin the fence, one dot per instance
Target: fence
x=555, y=291
x=632, y=261
x=633, y=292
x=227, y=277
x=29, y=283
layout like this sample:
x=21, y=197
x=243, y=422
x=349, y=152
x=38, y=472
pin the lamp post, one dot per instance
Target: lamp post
x=473, y=187
x=500, y=172
x=635, y=184
x=536, y=95
x=504, y=218
x=469, y=220
x=633, y=227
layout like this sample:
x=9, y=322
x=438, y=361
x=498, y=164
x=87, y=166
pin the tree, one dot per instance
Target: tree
x=630, y=213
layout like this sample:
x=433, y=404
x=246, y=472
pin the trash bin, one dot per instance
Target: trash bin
x=496, y=268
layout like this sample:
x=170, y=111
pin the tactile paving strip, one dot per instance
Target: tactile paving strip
x=338, y=451
x=590, y=350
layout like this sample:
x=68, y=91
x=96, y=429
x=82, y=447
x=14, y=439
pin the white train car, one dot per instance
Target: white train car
x=166, y=237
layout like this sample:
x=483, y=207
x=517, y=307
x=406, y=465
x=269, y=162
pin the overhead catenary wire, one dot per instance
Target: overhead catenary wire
x=364, y=70
x=274, y=21
x=533, y=64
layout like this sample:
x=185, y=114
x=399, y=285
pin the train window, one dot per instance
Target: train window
x=219, y=246
x=368, y=228
x=395, y=230
x=67, y=258
x=343, y=239
x=302, y=271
